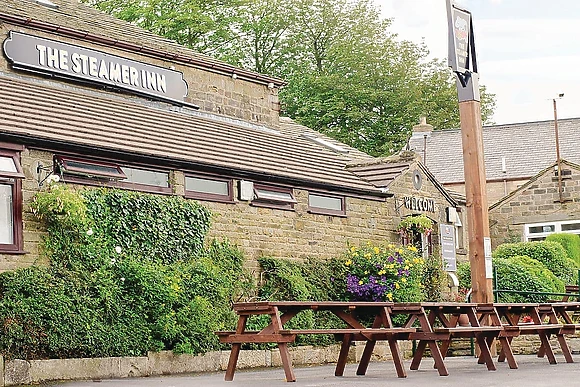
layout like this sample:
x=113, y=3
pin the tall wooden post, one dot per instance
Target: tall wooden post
x=476, y=199
x=462, y=60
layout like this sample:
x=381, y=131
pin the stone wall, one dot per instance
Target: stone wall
x=261, y=231
x=536, y=202
x=212, y=92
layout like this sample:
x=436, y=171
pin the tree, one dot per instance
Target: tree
x=207, y=26
x=348, y=75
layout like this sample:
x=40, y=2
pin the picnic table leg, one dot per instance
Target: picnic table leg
x=565, y=349
x=436, y=354
x=506, y=351
x=502, y=356
x=366, y=357
x=342, y=357
x=235, y=353
x=485, y=354
x=418, y=355
x=397, y=358
x=286, y=362
x=547, y=348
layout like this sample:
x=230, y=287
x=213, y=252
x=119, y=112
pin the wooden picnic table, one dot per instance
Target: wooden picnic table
x=535, y=319
x=281, y=312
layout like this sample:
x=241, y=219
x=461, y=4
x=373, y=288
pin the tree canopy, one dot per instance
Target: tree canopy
x=348, y=75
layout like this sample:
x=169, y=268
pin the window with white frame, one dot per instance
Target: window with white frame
x=539, y=231
x=326, y=204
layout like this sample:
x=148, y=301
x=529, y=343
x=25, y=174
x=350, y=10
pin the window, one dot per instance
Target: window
x=539, y=231
x=92, y=169
x=10, y=202
x=206, y=188
x=326, y=204
x=76, y=170
x=146, y=177
x=280, y=198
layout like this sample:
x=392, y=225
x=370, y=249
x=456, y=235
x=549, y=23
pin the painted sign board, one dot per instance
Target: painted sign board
x=447, y=238
x=33, y=53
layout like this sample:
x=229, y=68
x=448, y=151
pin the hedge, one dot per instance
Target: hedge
x=551, y=254
x=129, y=273
x=570, y=243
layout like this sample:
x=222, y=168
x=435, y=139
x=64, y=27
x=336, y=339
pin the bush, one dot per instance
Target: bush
x=551, y=254
x=124, y=278
x=570, y=243
x=518, y=273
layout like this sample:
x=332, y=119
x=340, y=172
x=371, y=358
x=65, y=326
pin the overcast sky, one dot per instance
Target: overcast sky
x=528, y=51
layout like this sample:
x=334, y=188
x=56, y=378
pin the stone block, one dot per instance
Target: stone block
x=166, y=362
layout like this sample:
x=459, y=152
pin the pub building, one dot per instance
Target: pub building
x=100, y=102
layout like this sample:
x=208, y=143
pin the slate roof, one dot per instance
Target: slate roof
x=44, y=112
x=79, y=21
x=527, y=147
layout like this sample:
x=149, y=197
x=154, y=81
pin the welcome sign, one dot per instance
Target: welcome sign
x=33, y=53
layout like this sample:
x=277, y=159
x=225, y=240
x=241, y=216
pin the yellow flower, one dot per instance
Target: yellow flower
x=412, y=248
x=397, y=286
x=403, y=280
x=366, y=272
x=368, y=255
x=390, y=296
x=400, y=251
x=391, y=246
x=348, y=263
x=353, y=249
x=406, y=267
x=377, y=250
x=360, y=282
x=381, y=272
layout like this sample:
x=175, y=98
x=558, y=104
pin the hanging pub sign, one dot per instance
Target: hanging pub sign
x=461, y=50
x=33, y=53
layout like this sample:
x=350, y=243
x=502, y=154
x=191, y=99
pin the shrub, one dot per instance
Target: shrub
x=570, y=243
x=551, y=254
x=433, y=278
x=518, y=273
x=104, y=295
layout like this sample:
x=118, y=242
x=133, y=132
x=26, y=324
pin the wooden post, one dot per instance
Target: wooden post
x=476, y=199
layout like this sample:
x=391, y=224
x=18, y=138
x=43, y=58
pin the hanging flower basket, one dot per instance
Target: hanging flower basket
x=415, y=225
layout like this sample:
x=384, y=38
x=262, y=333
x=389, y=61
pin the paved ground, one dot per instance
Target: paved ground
x=463, y=371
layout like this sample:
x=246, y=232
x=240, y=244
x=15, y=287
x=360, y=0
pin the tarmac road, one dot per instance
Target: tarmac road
x=463, y=371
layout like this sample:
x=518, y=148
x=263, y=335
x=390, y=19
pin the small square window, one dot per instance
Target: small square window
x=146, y=177
x=280, y=198
x=326, y=204
x=211, y=189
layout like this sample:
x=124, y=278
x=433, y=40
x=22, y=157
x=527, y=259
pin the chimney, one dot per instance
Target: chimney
x=423, y=127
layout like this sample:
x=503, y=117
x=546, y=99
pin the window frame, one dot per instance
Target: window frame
x=327, y=211
x=212, y=197
x=538, y=236
x=110, y=180
x=287, y=205
x=14, y=179
x=62, y=161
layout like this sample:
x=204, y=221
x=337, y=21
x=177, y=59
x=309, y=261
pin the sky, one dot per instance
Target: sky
x=528, y=51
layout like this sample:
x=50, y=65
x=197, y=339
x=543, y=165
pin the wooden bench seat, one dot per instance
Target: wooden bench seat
x=467, y=332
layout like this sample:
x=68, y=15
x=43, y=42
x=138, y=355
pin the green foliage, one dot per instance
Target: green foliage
x=519, y=273
x=100, y=299
x=312, y=279
x=570, y=243
x=551, y=254
x=348, y=74
x=433, y=278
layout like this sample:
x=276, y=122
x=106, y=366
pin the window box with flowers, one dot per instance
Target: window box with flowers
x=416, y=230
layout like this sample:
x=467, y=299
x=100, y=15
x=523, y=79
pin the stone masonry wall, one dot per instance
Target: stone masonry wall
x=262, y=231
x=213, y=93
x=538, y=202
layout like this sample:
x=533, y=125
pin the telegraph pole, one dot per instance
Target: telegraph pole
x=462, y=60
